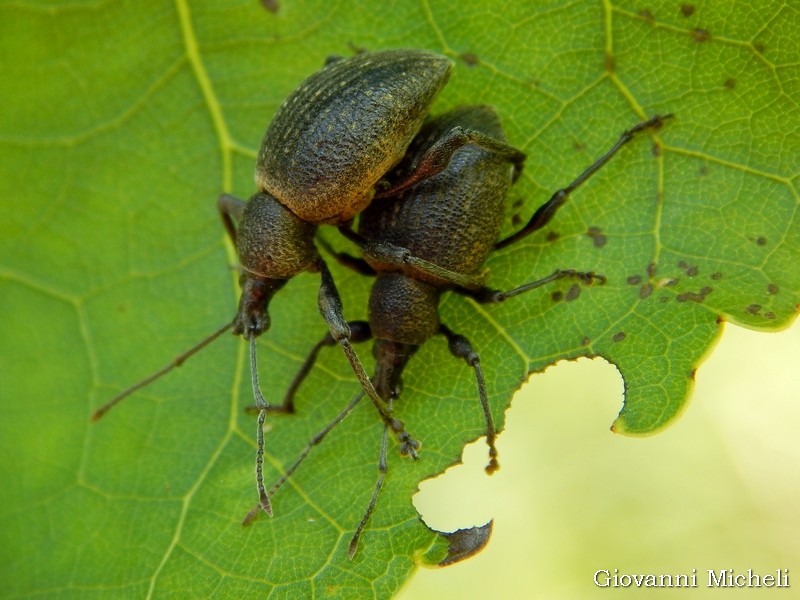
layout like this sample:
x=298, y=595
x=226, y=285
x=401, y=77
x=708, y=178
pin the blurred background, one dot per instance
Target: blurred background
x=720, y=489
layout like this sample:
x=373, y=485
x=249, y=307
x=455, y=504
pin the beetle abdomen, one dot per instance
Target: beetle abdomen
x=338, y=133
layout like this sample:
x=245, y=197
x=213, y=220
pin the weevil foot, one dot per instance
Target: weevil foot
x=409, y=446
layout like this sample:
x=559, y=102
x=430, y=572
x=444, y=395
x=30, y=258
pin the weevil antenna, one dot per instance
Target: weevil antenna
x=261, y=404
x=263, y=498
x=382, y=469
x=316, y=440
x=175, y=362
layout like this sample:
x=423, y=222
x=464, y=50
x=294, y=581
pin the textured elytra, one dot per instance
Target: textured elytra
x=454, y=218
x=344, y=127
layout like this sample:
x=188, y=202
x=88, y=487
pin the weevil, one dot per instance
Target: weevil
x=323, y=159
x=436, y=239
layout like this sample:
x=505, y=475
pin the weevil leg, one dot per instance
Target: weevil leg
x=437, y=157
x=402, y=257
x=359, y=265
x=487, y=295
x=230, y=207
x=359, y=332
x=546, y=211
x=467, y=285
x=330, y=306
x=461, y=348
x=382, y=470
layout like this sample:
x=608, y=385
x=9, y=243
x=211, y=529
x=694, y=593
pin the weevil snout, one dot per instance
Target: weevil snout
x=253, y=319
x=390, y=361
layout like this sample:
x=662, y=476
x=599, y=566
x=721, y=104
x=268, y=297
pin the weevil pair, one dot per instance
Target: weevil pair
x=353, y=140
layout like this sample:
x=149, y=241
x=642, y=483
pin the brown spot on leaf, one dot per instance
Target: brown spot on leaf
x=610, y=63
x=692, y=373
x=470, y=59
x=271, y=5
x=634, y=280
x=687, y=10
x=598, y=238
x=703, y=170
x=682, y=264
x=655, y=150
x=772, y=289
x=557, y=296
x=552, y=236
x=752, y=309
x=730, y=83
x=573, y=292
x=647, y=15
x=619, y=336
x=585, y=341
x=663, y=299
x=759, y=47
x=651, y=270
x=692, y=271
x=700, y=35
x=516, y=220
x=716, y=276
x=645, y=291
x=694, y=296
x=769, y=315
x=761, y=240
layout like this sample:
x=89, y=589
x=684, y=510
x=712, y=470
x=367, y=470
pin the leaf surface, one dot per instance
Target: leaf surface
x=122, y=122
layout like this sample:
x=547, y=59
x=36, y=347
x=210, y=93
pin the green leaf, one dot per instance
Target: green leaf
x=122, y=122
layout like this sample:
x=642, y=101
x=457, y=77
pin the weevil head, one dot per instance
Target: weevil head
x=274, y=245
x=403, y=315
x=390, y=362
x=252, y=318
x=403, y=309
